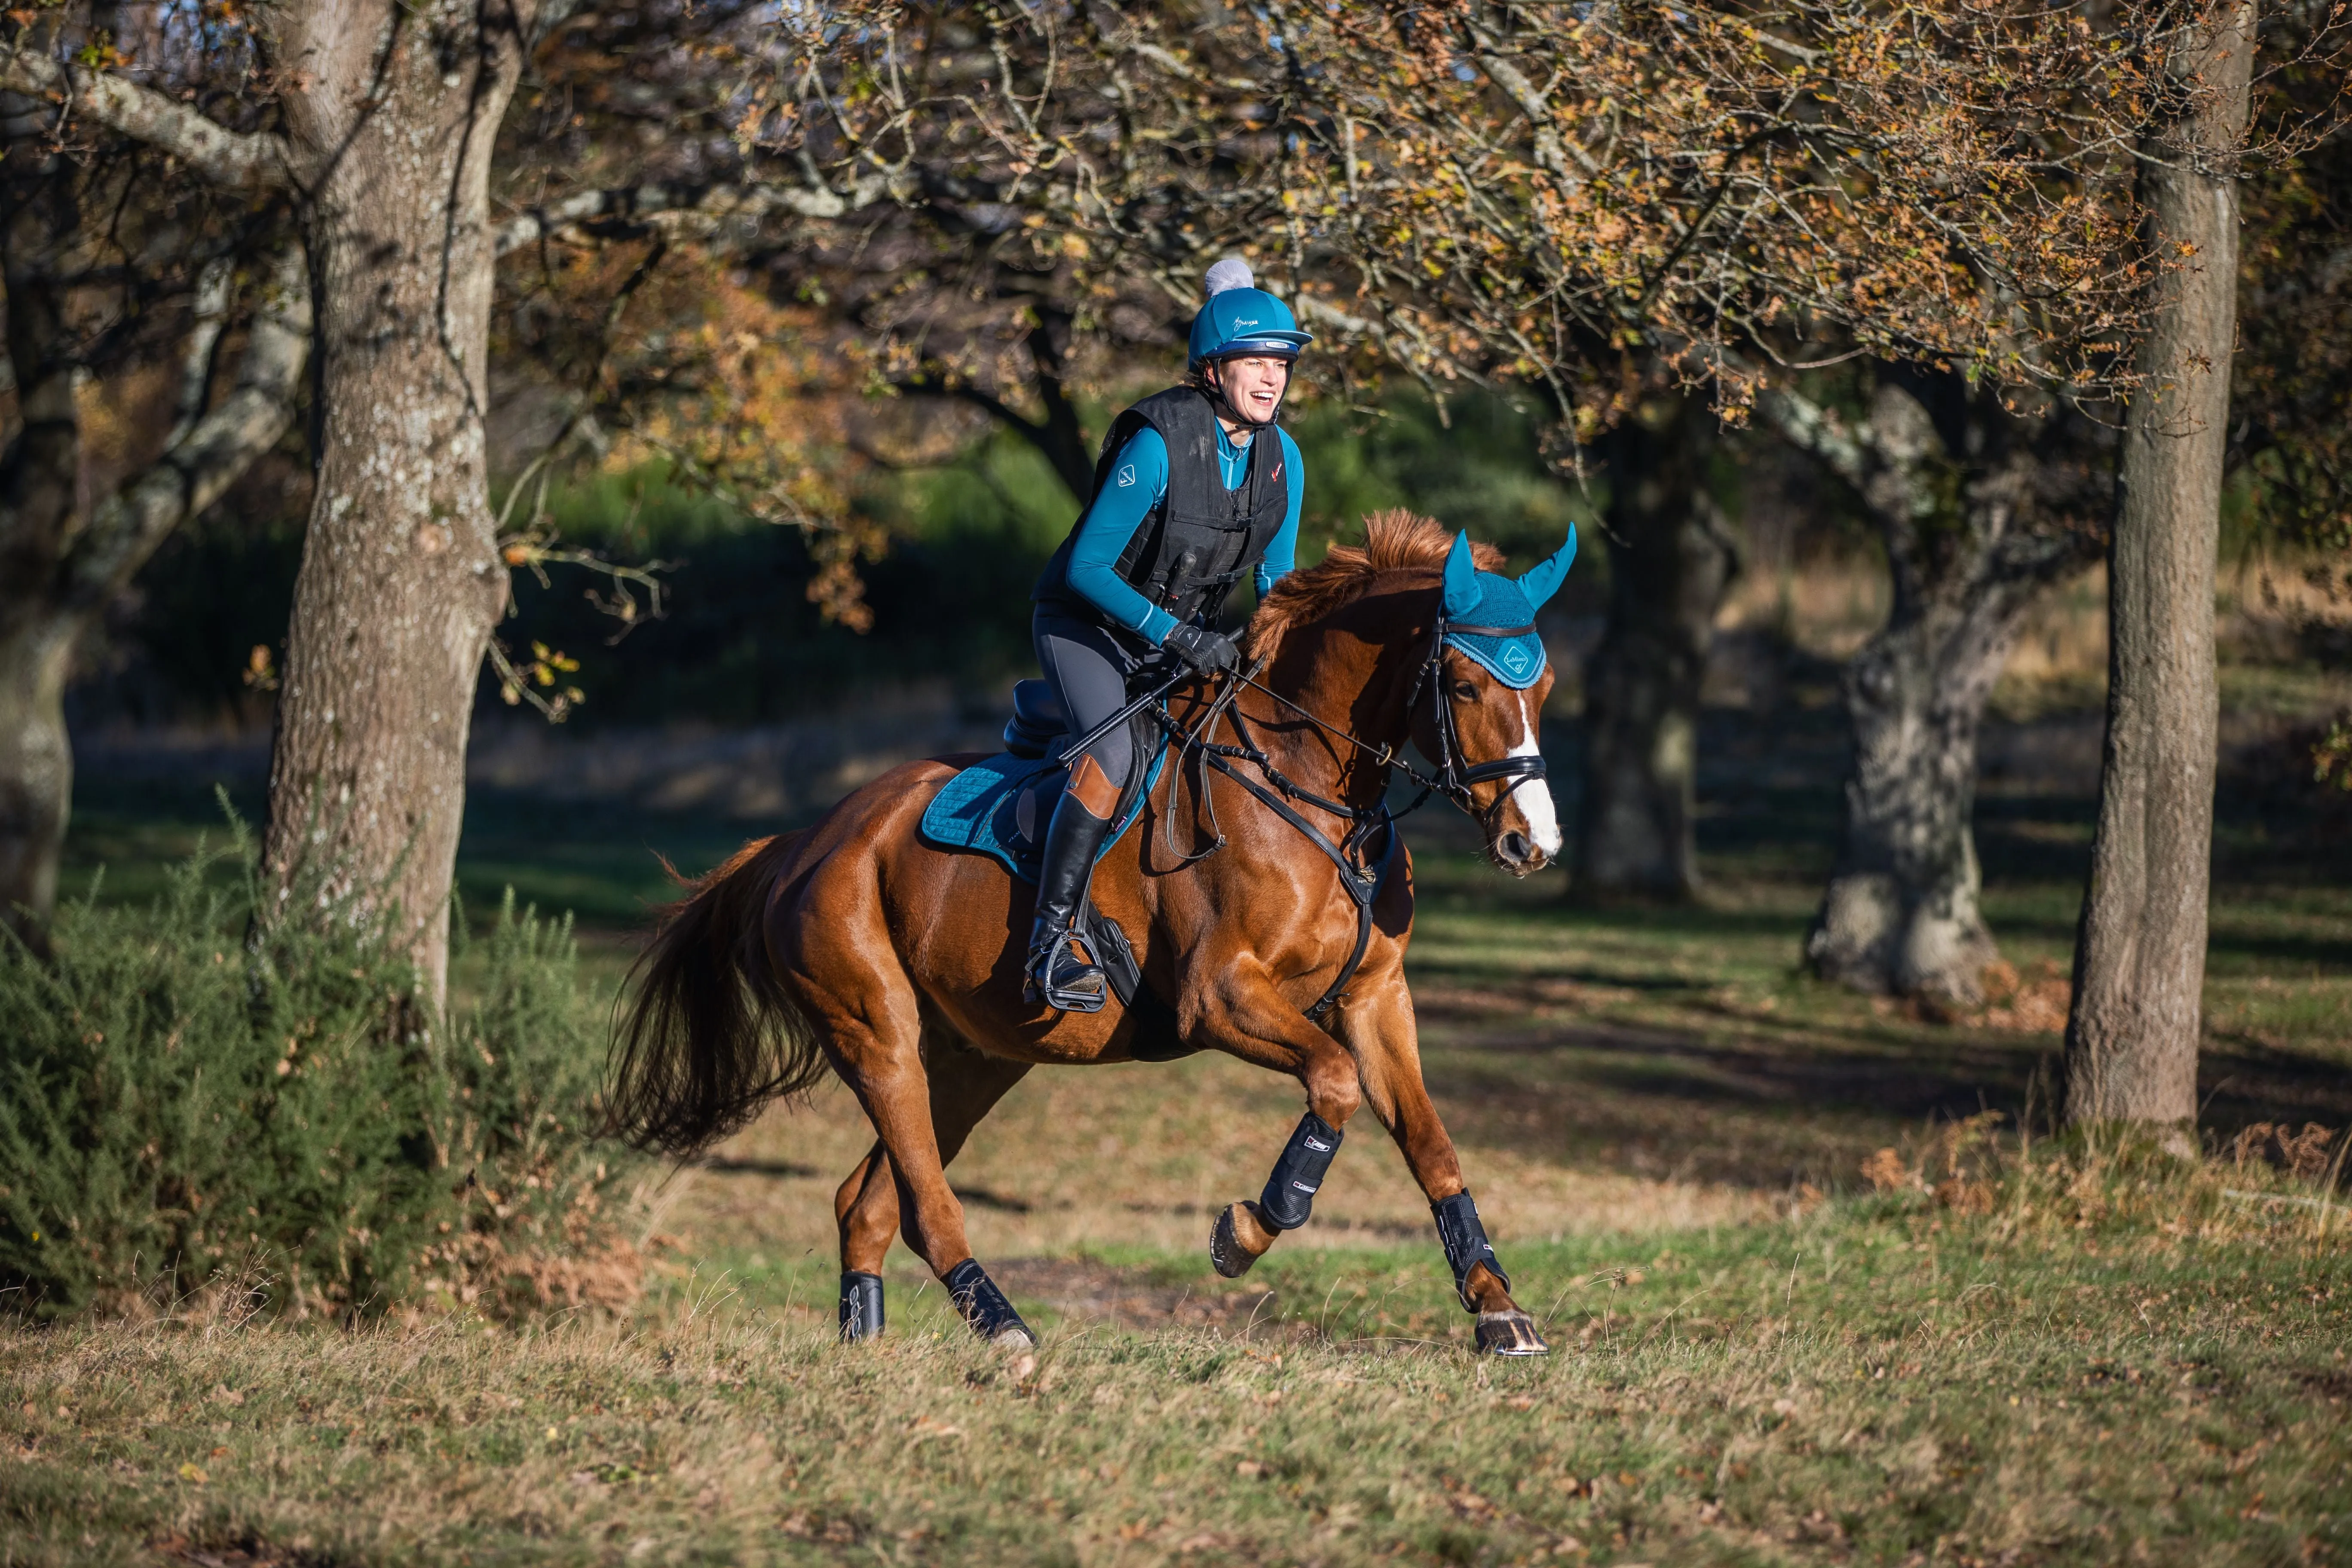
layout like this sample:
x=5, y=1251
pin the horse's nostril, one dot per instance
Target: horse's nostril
x=1516, y=847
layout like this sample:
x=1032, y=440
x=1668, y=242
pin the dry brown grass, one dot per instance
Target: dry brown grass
x=1142, y=1158
x=2005, y=1356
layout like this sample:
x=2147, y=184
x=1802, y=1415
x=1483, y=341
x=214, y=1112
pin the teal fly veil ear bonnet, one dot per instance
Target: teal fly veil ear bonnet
x=1492, y=618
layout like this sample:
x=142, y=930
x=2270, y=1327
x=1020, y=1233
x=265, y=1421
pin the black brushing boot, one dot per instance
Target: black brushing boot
x=1244, y=1231
x=861, y=1307
x=1289, y=1201
x=983, y=1306
x=1062, y=974
x=1510, y=1332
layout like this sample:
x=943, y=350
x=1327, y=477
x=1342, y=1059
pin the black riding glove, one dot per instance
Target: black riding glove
x=1202, y=649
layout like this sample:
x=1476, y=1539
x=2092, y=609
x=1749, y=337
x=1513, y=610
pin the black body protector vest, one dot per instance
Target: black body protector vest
x=1201, y=539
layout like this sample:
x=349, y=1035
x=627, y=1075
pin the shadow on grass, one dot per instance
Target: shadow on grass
x=2242, y=1080
x=1762, y=1099
x=1765, y=1115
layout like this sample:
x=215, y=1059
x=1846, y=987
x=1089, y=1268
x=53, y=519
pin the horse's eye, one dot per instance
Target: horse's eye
x=1465, y=690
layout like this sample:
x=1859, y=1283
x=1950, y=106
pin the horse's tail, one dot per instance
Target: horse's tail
x=712, y=1035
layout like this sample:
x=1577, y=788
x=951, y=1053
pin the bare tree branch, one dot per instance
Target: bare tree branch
x=211, y=313
x=1815, y=431
x=1550, y=154
x=673, y=205
x=232, y=160
x=209, y=451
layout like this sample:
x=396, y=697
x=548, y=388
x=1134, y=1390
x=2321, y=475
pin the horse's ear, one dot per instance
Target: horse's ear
x=1462, y=589
x=1544, y=578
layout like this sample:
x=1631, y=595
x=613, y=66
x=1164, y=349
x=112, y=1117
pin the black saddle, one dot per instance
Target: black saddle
x=1038, y=727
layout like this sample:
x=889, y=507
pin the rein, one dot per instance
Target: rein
x=1362, y=879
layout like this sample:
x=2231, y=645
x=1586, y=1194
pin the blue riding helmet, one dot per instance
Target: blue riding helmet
x=1492, y=618
x=1241, y=318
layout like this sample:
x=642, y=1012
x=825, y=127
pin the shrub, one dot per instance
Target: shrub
x=181, y=1108
x=519, y=1117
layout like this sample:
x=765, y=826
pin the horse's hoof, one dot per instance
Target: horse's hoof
x=1015, y=1335
x=1509, y=1334
x=1239, y=1240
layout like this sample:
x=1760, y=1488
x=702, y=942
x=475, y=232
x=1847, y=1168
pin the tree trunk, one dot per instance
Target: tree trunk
x=1900, y=911
x=1670, y=559
x=64, y=561
x=35, y=768
x=401, y=580
x=64, y=554
x=1970, y=499
x=39, y=516
x=1058, y=437
x=2140, y=964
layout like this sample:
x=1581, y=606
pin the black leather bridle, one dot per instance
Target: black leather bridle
x=1361, y=873
x=1453, y=778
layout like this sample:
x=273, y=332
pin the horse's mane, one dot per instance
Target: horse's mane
x=1395, y=541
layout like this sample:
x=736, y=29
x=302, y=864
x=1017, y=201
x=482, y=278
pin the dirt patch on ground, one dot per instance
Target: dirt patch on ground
x=241, y=1551
x=1092, y=1292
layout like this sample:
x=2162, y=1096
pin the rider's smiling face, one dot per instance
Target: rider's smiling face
x=1253, y=384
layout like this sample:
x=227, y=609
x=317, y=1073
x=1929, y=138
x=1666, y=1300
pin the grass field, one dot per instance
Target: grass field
x=1992, y=1349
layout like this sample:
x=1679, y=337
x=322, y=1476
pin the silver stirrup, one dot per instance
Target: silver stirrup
x=1083, y=989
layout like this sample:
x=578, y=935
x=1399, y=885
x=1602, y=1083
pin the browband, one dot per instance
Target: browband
x=1452, y=629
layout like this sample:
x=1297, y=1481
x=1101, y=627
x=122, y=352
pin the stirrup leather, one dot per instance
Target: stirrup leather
x=1062, y=976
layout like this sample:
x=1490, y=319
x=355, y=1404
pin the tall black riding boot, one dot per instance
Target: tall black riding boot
x=1062, y=974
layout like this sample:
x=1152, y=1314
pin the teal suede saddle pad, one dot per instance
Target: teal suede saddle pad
x=999, y=807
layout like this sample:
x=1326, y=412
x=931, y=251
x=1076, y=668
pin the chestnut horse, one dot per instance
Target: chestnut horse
x=858, y=946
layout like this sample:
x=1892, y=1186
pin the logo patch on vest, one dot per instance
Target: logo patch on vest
x=1126, y=475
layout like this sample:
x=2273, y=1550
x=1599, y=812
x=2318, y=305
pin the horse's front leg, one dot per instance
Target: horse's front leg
x=1234, y=1007
x=1378, y=1026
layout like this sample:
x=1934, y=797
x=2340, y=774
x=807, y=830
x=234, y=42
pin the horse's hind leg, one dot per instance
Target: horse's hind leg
x=838, y=940
x=1380, y=1030
x=964, y=1087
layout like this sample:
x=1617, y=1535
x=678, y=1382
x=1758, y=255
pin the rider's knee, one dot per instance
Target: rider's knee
x=1114, y=755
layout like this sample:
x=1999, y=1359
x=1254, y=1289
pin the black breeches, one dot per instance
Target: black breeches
x=1088, y=668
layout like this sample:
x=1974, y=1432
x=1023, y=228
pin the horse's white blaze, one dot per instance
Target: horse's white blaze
x=1534, y=796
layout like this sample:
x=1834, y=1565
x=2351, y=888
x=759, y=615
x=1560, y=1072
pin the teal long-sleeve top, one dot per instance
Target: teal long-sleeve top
x=1138, y=482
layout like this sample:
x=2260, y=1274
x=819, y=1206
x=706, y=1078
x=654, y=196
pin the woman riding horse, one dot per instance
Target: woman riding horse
x=1187, y=500
x=859, y=948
